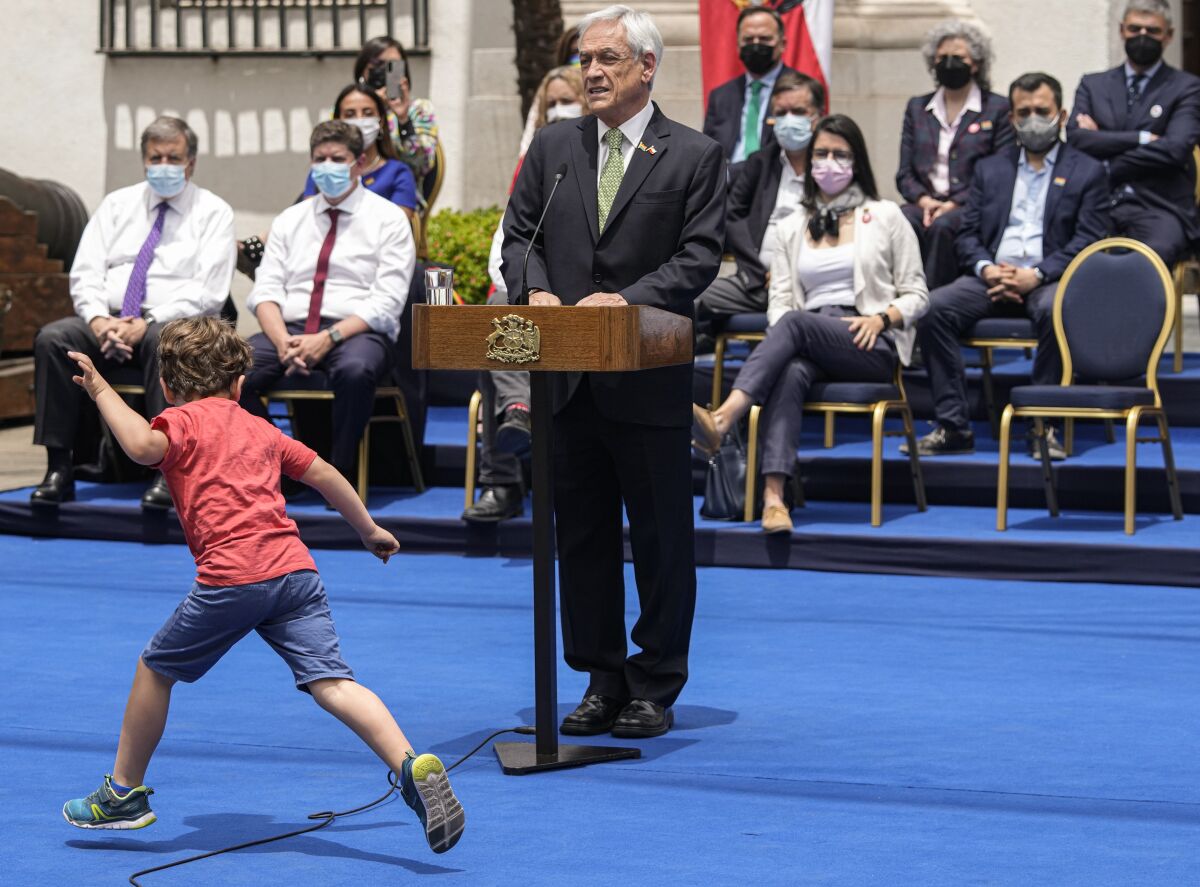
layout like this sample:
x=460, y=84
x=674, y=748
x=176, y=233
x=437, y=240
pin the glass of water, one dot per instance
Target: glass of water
x=439, y=286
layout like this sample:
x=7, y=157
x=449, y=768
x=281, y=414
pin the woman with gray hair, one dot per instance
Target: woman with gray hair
x=945, y=133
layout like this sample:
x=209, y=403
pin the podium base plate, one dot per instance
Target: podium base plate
x=519, y=758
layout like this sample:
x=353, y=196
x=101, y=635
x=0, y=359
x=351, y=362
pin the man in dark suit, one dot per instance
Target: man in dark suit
x=769, y=188
x=736, y=114
x=945, y=133
x=1030, y=211
x=638, y=220
x=1142, y=119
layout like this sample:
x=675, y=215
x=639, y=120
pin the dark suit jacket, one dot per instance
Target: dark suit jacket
x=1076, y=209
x=980, y=134
x=723, y=117
x=661, y=245
x=1162, y=173
x=751, y=202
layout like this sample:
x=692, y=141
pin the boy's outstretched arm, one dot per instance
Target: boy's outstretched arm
x=328, y=481
x=141, y=443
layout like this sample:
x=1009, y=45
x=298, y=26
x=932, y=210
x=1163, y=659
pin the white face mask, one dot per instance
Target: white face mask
x=564, y=112
x=369, y=127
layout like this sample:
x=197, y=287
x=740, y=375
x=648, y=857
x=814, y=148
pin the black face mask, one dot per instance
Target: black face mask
x=1143, y=50
x=952, y=72
x=377, y=75
x=757, y=57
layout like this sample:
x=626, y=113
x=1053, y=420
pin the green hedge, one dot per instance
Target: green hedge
x=462, y=240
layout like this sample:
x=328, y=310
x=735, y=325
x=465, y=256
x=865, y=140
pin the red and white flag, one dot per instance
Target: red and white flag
x=807, y=24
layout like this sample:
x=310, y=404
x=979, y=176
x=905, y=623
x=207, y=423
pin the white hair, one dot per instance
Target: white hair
x=641, y=33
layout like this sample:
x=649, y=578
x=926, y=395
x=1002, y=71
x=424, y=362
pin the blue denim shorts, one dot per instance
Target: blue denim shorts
x=289, y=612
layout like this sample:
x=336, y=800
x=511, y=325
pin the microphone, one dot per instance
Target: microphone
x=523, y=298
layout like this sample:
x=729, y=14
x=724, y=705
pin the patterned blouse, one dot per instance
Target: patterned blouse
x=418, y=145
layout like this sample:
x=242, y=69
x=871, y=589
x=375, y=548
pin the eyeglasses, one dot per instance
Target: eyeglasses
x=604, y=59
x=839, y=156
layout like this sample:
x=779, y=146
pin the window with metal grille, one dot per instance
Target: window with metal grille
x=255, y=27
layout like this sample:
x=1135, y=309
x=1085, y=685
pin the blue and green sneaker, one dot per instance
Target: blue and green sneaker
x=425, y=787
x=104, y=808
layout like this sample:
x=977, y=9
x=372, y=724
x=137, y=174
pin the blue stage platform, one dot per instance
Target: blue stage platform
x=836, y=730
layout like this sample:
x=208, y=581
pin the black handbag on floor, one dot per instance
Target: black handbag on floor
x=725, y=480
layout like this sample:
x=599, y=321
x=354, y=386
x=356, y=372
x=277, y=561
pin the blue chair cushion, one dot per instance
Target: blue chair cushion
x=746, y=323
x=316, y=380
x=1096, y=397
x=852, y=392
x=1002, y=328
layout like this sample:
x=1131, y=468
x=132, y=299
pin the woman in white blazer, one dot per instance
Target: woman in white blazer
x=846, y=290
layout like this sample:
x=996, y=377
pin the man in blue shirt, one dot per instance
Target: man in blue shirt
x=1142, y=120
x=1031, y=209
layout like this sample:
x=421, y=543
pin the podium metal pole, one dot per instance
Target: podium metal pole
x=518, y=758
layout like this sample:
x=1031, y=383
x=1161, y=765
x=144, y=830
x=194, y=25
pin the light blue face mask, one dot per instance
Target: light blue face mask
x=793, y=131
x=332, y=178
x=166, y=179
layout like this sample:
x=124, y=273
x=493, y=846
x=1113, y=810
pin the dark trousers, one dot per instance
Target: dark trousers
x=1159, y=230
x=953, y=309
x=937, y=243
x=59, y=400
x=598, y=464
x=353, y=369
x=500, y=389
x=802, y=348
x=726, y=296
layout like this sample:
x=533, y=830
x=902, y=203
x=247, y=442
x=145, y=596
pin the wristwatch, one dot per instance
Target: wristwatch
x=1041, y=275
x=336, y=335
x=887, y=320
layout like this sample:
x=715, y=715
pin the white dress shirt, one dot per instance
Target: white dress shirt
x=787, y=200
x=939, y=176
x=1021, y=242
x=764, y=109
x=632, y=130
x=193, y=262
x=369, y=269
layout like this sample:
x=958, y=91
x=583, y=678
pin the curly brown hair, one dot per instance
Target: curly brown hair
x=201, y=356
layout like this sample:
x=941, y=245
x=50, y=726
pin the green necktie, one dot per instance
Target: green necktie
x=750, y=136
x=611, y=175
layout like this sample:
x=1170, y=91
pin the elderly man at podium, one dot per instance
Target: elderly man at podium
x=638, y=220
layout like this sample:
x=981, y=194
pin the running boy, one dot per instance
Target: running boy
x=222, y=466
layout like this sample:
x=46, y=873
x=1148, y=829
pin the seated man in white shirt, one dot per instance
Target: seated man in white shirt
x=768, y=189
x=153, y=252
x=331, y=288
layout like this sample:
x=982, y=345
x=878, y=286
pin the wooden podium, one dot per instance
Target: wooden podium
x=541, y=340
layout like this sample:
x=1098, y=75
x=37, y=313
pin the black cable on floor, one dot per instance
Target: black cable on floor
x=326, y=816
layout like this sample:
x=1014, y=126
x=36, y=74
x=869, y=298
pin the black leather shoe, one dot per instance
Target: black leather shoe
x=56, y=487
x=157, y=497
x=514, y=436
x=642, y=718
x=496, y=504
x=596, y=714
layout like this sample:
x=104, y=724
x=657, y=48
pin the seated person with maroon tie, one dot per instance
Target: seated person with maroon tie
x=153, y=252
x=331, y=288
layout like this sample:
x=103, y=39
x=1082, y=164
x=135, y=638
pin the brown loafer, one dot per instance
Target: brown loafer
x=776, y=519
x=705, y=435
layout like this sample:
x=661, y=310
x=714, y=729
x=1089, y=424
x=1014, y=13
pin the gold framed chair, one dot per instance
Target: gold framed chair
x=289, y=397
x=1187, y=268
x=986, y=336
x=473, y=410
x=875, y=399
x=746, y=327
x=1113, y=314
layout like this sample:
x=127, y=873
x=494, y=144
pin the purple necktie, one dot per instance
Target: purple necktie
x=135, y=293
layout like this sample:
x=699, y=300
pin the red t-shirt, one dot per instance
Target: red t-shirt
x=222, y=466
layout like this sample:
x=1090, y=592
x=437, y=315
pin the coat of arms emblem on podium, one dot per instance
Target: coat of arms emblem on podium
x=514, y=340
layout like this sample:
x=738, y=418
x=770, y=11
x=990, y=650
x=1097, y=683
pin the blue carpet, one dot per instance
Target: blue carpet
x=837, y=729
